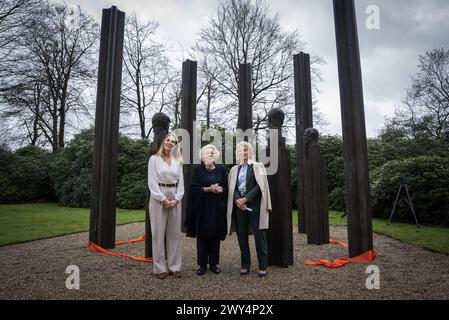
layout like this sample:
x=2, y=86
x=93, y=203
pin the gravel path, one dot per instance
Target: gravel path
x=36, y=270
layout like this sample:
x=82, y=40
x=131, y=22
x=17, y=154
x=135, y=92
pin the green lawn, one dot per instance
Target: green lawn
x=428, y=237
x=22, y=222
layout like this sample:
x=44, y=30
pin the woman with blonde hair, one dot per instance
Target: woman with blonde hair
x=166, y=184
x=206, y=209
x=249, y=204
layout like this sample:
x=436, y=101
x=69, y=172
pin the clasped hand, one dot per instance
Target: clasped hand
x=169, y=203
x=241, y=203
x=215, y=188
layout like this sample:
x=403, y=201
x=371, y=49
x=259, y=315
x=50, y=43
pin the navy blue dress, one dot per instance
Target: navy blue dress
x=206, y=211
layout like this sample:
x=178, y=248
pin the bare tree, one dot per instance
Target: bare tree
x=13, y=13
x=147, y=83
x=25, y=107
x=244, y=31
x=425, y=113
x=174, y=99
x=55, y=56
x=19, y=90
x=209, y=94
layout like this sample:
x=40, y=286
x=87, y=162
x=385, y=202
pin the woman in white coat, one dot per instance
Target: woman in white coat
x=166, y=184
x=249, y=204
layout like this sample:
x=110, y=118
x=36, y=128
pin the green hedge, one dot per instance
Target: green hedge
x=33, y=174
x=337, y=199
x=25, y=175
x=132, y=173
x=72, y=171
x=427, y=183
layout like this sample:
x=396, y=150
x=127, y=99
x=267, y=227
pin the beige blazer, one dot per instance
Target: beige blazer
x=265, y=203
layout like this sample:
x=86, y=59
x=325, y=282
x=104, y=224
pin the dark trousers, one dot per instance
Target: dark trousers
x=242, y=221
x=208, y=251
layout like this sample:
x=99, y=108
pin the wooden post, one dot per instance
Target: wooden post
x=245, y=118
x=188, y=116
x=360, y=232
x=161, y=123
x=315, y=188
x=280, y=232
x=104, y=173
x=304, y=120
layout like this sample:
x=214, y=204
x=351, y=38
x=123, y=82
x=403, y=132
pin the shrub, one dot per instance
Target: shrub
x=72, y=171
x=427, y=183
x=337, y=199
x=132, y=173
x=24, y=175
x=132, y=194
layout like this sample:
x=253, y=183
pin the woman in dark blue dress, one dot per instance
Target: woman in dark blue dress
x=206, y=209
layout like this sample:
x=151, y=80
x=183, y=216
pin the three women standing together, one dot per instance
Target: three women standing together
x=216, y=206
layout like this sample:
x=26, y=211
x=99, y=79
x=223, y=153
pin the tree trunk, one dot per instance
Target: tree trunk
x=61, y=129
x=140, y=109
x=208, y=105
x=62, y=112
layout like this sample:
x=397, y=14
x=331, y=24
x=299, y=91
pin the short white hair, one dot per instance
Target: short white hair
x=250, y=150
x=206, y=147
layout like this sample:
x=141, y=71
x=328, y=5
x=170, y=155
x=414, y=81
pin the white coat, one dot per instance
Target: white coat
x=260, y=175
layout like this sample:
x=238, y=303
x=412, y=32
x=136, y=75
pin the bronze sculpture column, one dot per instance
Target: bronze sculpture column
x=358, y=208
x=104, y=172
x=280, y=232
x=304, y=120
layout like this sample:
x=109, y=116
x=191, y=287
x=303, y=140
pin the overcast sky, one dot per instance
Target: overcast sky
x=389, y=55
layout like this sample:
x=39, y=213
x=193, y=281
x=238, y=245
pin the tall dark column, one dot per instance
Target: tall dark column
x=160, y=123
x=188, y=116
x=245, y=119
x=315, y=190
x=304, y=120
x=354, y=133
x=280, y=232
x=104, y=173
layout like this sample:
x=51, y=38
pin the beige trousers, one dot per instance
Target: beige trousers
x=166, y=233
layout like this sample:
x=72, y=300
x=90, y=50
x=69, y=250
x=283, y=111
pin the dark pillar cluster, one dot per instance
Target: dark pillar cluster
x=312, y=192
x=313, y=217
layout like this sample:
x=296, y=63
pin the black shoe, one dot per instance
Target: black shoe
x=214, y=269
x=244, y=271
x=262, y=273
x=201, y=271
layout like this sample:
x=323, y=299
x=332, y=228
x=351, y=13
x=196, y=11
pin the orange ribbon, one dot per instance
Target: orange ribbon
x=96, y=247
x=339, y=243
x=139, y=239
x=366, y=257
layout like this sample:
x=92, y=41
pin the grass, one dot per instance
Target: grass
x=24, y=222
x=429, y=237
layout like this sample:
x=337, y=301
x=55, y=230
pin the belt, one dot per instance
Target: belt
x=168, y=185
